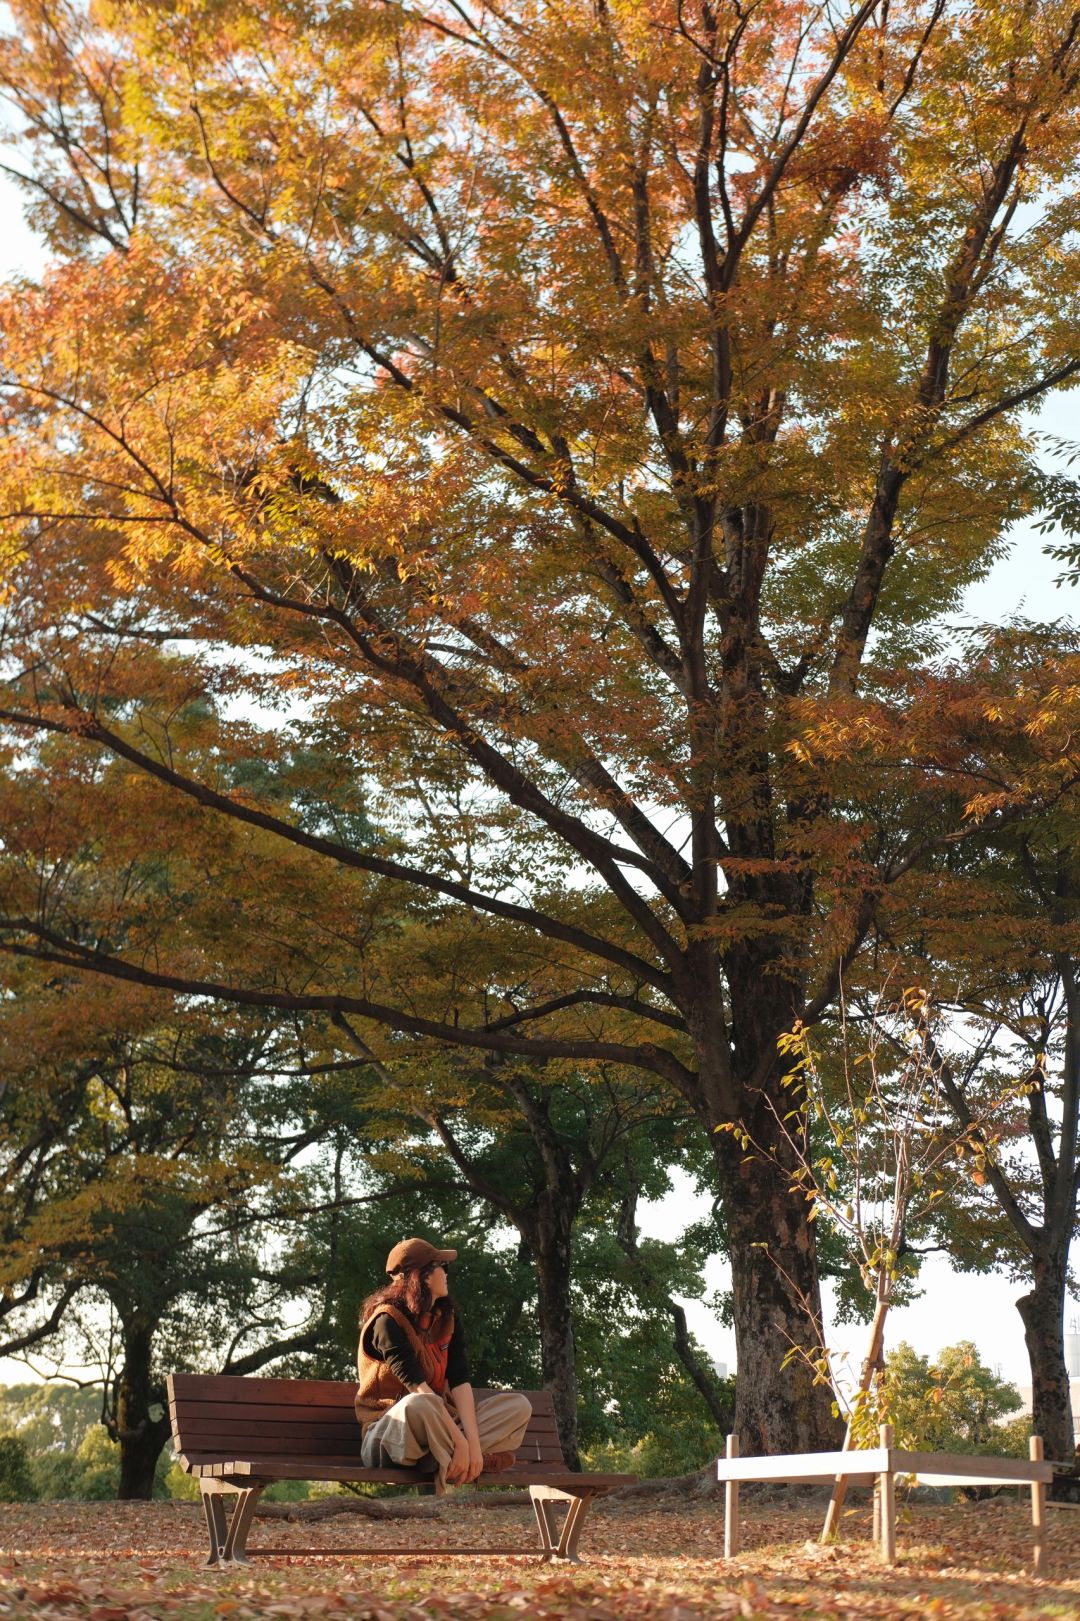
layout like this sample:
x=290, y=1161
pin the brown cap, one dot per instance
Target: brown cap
x=416, y=1252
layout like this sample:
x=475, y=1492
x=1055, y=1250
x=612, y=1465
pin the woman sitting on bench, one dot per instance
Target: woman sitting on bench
x=415, y=1402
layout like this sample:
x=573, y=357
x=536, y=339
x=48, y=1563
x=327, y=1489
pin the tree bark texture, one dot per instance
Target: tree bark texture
x=777, y=1306
x=1042, y=1311
x=557, y=1350
x=140, y=1436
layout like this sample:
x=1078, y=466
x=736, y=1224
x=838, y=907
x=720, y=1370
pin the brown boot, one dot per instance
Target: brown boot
x=496, y=1462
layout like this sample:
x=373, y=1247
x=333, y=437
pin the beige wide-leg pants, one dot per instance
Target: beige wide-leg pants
x=419, y=1427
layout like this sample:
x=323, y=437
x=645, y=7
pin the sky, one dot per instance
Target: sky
x=952, y=1306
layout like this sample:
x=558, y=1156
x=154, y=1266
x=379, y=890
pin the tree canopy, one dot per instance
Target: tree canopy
x=555, y=410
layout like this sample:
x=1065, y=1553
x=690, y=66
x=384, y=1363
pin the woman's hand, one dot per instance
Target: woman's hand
x=460, y=1465
x=465, y=1408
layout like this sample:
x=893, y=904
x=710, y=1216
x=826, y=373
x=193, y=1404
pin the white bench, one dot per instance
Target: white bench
x=881, y=1465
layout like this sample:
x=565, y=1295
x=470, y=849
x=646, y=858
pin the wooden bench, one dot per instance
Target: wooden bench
x=236, y=1436
x=879, y=1466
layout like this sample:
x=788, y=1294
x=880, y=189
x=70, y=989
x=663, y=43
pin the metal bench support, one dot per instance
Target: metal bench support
x=228, y=1537
x=561, y=1550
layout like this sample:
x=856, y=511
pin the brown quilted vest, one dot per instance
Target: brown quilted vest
x=379, y=1386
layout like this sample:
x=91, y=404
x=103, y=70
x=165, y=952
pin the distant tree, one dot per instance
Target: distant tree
x=1021, y=1109
x=16, y=1477
x=645, y=1376
x=949, y=1403
x=49, y=1417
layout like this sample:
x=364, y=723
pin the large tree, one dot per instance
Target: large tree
x=543, y=398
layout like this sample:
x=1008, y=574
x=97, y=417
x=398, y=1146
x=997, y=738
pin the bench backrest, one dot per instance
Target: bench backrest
x=222, y=1415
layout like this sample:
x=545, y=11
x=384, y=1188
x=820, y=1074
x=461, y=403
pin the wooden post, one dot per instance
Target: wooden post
x=875, y=1535
x=888, y=1499
x=731, y=1505
x=831, y=1528
x=1038, y=1507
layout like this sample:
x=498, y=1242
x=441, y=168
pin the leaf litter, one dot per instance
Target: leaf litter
x=144, y=1562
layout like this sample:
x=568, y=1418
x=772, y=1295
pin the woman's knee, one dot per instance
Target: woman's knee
x=517, y=1412
x=422, y=1401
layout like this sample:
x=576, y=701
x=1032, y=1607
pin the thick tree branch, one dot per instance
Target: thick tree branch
x=475, y=1178
x=1030, y=1236
x=308, y=1339
x=779, y=166
x=93, y=730
x=386, y=651
x=1011, y=402
x=71, y=953
x=40, y=1331
x=628, y=1004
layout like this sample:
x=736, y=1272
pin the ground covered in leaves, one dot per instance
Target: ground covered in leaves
x=647, y=1560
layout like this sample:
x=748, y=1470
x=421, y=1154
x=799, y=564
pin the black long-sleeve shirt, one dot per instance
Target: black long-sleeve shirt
x=388, y=1341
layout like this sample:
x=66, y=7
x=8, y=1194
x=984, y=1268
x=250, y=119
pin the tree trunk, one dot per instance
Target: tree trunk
x=771, y=1243
x=777, y=1309
x=140, y=1435
x=1042, y=1312
x=551, y=1248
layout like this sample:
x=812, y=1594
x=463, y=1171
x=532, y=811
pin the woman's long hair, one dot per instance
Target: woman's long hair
x=409, y=1293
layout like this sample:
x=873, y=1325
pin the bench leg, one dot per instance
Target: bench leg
x=731, y=1505
x=887, y=1495
x=1038, y=1511
x=216, y=1526
x=228, y=1534
x=545, y=1521
x=571, y=1531
x=564, y=1551
x=240, y=1525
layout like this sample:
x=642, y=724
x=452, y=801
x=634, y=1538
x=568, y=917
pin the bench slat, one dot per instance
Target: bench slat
x=238, y=1423
x=189, y=1411
x=315, y=1438
x=242, y=1443
x=278, y=1468
x=318, y=1420
x=972, y=1470
x=232, y=1388
x=810, y=1466
x=186, y=1407
x=862, y=1464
